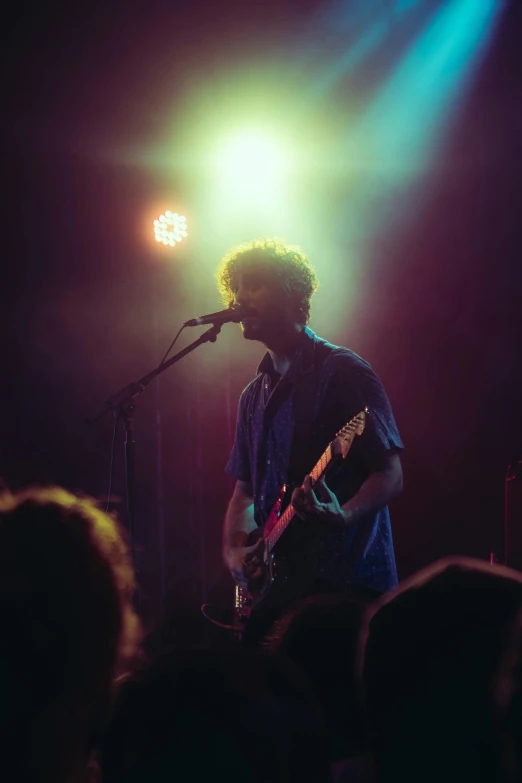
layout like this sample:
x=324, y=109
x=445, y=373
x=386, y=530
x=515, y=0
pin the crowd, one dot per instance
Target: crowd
x=420, y=684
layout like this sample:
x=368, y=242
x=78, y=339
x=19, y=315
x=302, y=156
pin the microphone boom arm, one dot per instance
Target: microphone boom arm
x=134, y=389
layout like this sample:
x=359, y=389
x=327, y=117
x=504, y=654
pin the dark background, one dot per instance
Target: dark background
x=84, y=313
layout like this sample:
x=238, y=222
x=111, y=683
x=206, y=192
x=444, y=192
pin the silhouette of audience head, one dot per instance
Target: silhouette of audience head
x=432, y=653
x=204, y=715
x=66, y=583
x=320, y=634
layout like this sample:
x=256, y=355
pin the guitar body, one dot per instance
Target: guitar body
x=247, y=598
x=286, y=575
x=283, y=573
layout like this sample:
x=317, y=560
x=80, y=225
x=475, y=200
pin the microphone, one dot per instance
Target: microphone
x=232, y=314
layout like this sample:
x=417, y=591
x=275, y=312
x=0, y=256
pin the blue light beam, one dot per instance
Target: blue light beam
x=407, y=117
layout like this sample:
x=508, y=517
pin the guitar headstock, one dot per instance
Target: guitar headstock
x=344, y=438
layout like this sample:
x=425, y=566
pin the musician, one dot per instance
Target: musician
x=305, y=390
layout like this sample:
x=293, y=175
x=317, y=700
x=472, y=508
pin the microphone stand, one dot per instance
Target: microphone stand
x=122, y=403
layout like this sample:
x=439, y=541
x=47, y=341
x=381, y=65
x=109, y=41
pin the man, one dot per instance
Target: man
x=68, y=627
x=306, y=389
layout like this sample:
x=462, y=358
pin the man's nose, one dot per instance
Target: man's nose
x=241, y=297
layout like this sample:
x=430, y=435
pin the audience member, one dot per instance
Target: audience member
x=431, y=656
x=507, y=693
x=244, y=717
x=320, y=635
x=68, y=627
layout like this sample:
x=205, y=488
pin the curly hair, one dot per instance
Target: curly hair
x=288, y=263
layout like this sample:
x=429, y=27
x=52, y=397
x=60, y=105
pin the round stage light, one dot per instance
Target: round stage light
x=170, y=228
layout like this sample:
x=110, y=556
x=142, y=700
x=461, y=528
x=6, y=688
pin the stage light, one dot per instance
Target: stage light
x=170, y=228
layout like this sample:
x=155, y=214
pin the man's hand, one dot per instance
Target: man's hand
x=239, y=562
x=307, y=504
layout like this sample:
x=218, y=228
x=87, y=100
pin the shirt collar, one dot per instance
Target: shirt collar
x=303, y=360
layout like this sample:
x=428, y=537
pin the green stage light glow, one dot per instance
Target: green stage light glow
x=252, y=164
x=250, y=181
x=252, y=158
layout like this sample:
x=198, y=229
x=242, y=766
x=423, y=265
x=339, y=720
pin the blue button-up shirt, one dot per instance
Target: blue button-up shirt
x=344, y=384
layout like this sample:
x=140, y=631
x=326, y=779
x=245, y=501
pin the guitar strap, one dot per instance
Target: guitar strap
x=303, y=403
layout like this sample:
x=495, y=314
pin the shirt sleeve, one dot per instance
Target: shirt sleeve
x=238, y=465
x=381, y=428
x=362, y=388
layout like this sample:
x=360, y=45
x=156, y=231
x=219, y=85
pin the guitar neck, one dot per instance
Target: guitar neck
x=289, y=513
x=340, y=445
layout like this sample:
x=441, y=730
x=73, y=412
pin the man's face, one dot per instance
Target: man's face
x=272, y=311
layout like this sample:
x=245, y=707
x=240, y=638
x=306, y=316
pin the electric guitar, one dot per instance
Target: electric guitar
x=271, y=570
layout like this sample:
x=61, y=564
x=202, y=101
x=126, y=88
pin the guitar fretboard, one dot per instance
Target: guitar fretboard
x=347, y=434
x=289, y=513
